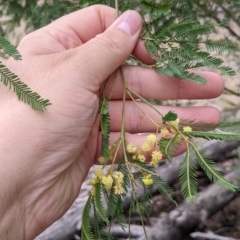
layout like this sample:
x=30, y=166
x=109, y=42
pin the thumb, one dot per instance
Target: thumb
x=102, y=55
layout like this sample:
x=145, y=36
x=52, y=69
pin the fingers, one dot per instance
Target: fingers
x=137, y=122
x=149, y=84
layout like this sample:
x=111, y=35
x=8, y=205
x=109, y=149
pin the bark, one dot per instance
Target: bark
x=185, y=218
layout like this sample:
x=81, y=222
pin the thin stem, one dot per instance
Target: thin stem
x=117, y=7
x=152, y=121
x=144, y=100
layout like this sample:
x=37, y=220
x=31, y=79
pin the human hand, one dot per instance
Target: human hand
x=45, y=157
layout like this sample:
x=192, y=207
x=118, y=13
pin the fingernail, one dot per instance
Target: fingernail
x=129, y=22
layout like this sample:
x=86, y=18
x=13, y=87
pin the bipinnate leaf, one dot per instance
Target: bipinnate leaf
x=210, y=168
x=169, y=146
x=9, y=49
x=98, y=201
x=86, y=232
x=229, y=126
x=21, y=89
x=188, y=178
x=213, y=135
x=163, y=187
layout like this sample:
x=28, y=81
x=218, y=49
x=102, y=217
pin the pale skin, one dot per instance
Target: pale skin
x=45, y=157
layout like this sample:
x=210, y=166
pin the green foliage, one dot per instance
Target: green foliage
x=177, y=42
x=211, y=171
x=170, y=116
x=105, y=127
x=22, y=90
x=99, y=205
x=35, y=15
x=188, y=178
x=169, y=146
x=9, y=49
x=86, y=228
x=12, y=81
x=213, y=135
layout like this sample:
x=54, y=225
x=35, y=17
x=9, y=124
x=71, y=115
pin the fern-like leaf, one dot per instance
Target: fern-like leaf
x=113, y=201
x=87, y=234
x=98, y=201
x=210, y=168
x=188, y=178
x=198, y=126
x=169, y=146
x=216, y=136
x=21, y=89
x=220, y=46
x=163, y=187
x=9, y=49
x=229, y=126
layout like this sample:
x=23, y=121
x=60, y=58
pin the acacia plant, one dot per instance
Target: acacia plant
x=177, y=42
x=177, y=45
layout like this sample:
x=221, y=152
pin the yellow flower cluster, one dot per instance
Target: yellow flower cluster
x=131, y=148
x=174, y=125
x=102, y=160
x=164, y=132
x=156, y=157
x=118, y=180
x=107, y=181
x=187, y=129
x=146, y=147
x=147, y=180
x=151, y=139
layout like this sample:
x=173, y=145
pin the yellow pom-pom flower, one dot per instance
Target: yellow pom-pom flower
x=102, y=160
x=94, y=181
x=131, y=148
x=146, y=147
x=99, y=173
x=107, y=182
x=147, y=180
x=157, y=155
x=175, y=123
x=118, y=189
x=118, y=177
x=154, y=162
x=164, y=132
x=141, y=157
x=187, y=129
x=151, y=139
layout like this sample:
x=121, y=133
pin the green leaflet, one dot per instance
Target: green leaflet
x=170, y=116
x=229, y=126
x=105, y=127
x=9, y=49
x=163, y=187
x=211, y=171
x=98, y=201
x=113, y=201
x=198, y=126
x=86, y=228
x=169, y=146
x=21, y=89
x=220, y=46
x=212, y=135
x=188, y=178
